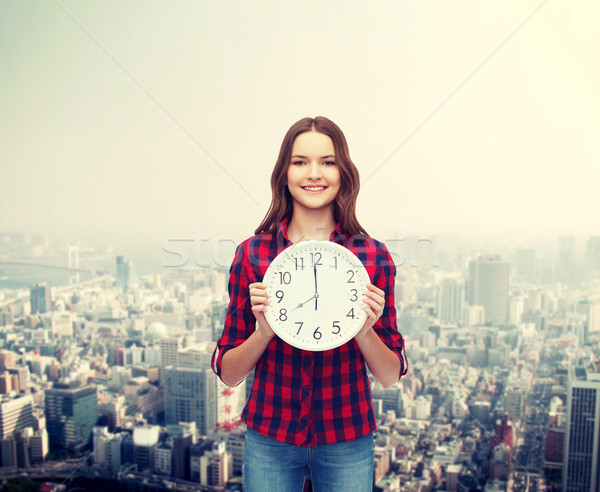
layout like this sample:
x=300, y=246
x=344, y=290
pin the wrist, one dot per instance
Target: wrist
x=363, y=335
x=264, y=335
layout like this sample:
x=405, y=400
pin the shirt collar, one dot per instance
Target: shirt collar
x=282, y=235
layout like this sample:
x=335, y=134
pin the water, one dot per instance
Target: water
x=17, y=276
x=24, y=276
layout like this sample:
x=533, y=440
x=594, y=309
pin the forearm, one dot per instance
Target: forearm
x=238, y=362
x=383, y=363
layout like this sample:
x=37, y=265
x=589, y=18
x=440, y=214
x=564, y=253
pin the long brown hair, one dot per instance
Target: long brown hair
x=344, y=207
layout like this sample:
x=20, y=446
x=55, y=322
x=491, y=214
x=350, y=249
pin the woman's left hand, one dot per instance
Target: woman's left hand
x=374, y=302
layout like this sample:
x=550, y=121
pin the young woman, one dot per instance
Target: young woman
x=309, y=410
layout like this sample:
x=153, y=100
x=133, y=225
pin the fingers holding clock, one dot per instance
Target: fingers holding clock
x=259, y=299
x=374, y=302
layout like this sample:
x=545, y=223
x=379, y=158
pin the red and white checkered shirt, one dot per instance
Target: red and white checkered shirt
x=301, y=397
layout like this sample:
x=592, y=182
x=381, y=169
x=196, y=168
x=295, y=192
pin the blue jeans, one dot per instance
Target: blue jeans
x=273, y=466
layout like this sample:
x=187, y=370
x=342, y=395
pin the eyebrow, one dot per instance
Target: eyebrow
x=304, y=157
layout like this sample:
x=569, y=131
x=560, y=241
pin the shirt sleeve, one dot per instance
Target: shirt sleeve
x=387, y=326
x=239, y=320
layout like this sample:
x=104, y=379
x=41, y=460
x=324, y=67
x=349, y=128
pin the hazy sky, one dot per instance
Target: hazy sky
x=153, y=119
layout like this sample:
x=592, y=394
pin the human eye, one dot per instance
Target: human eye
x=329, y=163
x=298, y=162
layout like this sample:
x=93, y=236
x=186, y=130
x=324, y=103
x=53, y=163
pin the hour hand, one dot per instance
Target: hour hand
x=303, y=303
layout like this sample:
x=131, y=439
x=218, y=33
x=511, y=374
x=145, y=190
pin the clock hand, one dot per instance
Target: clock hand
x=316, y=290
x=303, y=303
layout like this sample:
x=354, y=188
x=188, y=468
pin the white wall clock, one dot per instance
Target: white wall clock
x=315, y=292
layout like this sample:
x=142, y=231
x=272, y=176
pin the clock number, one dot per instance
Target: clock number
x=317, y=334
x=279, y=295
x=354, y=297
x=285, y=277
x=315, y=258
x=351, y=314
x=335, y=262
x=336, y=324
x=283, y=314
x=301, y=263
x=351, y=277
x=299, y=327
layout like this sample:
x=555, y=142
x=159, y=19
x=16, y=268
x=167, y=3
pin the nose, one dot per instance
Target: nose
x=314, y=170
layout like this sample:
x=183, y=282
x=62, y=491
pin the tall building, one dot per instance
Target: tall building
x=236, y=446
x=39, y=445
x=181, y=456
x=145, y=440
x=169, y=350
x=191, y=390
x=525, y=262
x=8, y=452
x=488, y=287
x=163, y=459
x=592, y=256
x=40, y=298
x=216, y=466
x=514, y=402
x=566, y=265
x=504, y=434
x=126, y=275
x=71, y=413
x=8, y=360
x=107, y=448
x=100, y=440
x=15, y=414
x=112, y=407
x=581, y=469
x=500, y=462
x=451, y=300
x=590, y=309
x=21, y=438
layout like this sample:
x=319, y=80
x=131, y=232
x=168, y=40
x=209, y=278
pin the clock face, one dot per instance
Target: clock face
x=315, y=293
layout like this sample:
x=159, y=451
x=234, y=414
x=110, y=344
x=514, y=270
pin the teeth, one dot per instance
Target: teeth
x=314, y=188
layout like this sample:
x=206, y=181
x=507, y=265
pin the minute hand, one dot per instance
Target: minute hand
x=316, y=290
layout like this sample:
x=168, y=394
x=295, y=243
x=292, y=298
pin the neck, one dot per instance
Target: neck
x=310, y=224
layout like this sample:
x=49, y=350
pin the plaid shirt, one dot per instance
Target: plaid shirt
x=301, y=397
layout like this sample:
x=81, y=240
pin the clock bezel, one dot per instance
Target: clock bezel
x=271, y=314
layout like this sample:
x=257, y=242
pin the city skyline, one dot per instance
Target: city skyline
x=118, y=122
x=111, y=376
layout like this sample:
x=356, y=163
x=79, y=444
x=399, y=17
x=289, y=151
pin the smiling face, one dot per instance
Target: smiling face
x=313, y=177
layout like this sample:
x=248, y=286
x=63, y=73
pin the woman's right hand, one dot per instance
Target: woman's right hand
x=259, y=300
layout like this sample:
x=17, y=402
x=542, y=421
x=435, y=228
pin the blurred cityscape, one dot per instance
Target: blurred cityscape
x=105, y=377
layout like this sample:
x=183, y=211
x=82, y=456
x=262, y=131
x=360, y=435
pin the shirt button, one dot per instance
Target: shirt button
x=307, y=382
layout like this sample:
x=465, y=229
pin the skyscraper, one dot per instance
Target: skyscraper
x=126, y=275
x=40, y=298
x=592, y=256
x=488, y=287
x=71, y=413
x=566, y=265
x=451, y=300
x=191, y=390
x=581, y=469
x=525, y=262
x=15, y=414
